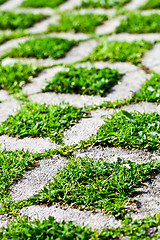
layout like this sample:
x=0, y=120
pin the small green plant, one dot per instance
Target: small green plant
x=120, y=51
x=41, y=120
x=150, y=91
x=137, y=23
x=49, y=47
x=103, y=3
x=84, y=81
x=89, y=184
x=41, y=3
x=13, y=77
x=151, y=4
x=12, y=20
x=133, y=130
x=76, y=22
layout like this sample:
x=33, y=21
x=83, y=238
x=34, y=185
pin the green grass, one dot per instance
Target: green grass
x=2, y=1
x=120, y=51
x=11, y=20
x=49, y=47
x=89, y=184
x=24, y=228
x=150, y=91
x=14, y=77
x=76, y=22
x=41, y=3
x=137, y=23
x=134, y=130
x=11, y=35
x=84, y=81
x=40, y=120
x=12, y=165
x=151, y=4
x=103, y=3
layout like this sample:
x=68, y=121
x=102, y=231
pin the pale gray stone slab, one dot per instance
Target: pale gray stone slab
x=94, y=220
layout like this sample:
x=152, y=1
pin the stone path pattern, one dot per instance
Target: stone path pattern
x=133, y=77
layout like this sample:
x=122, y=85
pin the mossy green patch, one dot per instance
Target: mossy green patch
x=137, y=23
x=103, y=3
x=41, y=120
x=14, y=77
x=90, y=184
x=12, y=20
x=80, y=80
x=49, y=47
x=120, y=51
x=134, y=130
x=76, y=22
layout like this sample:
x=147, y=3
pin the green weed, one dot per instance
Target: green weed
x=103, y=3
x=151, y=4
x=84, y=81
x=41, y=3
x=137, y=23
x=76, y=22
x=120, y=51
x=150, y=91
x=133, y=130
x=11, y=20
x=49, y=47
x=89, y=184
x=13, y=77
x=40, y=120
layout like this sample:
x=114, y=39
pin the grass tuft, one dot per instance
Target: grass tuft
x=76, y=22
x=41, y=3
x=137, y=23
x=89, y=184
x=103, y=3
x=49, y=47
x=12, y=20
x=41, y=120
x=84, y=81
x=133, y=130
x=120, y=51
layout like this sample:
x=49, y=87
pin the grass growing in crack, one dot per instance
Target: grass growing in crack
x=120, y=51
x=90, y=184
x=76, y=22
x=12, y=20
x=12, y=165
x=137, y=23
x=8, y=36
x=14, y=77
x=49, y=47
x=41, y=3
x=133, y=130
x=41, y=120
x=151, y=4
x=150, y=91
x=84, y=81
x=24, y=228
x=103, y=4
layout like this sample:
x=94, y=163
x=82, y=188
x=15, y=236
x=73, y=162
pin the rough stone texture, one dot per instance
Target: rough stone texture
x=32, y=181
x=94, y=220
x=132, y=5
x=129, y=37
x=32, y=144
x=8, y=108
x=109, y=26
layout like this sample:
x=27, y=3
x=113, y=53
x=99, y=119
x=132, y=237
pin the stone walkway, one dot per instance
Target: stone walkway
x=133, y=78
